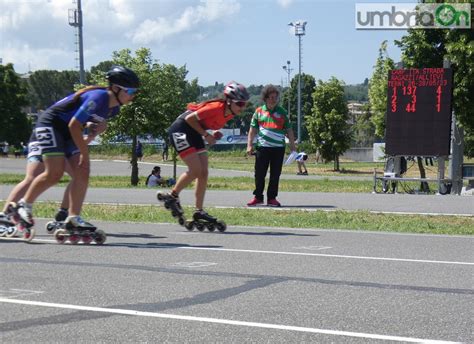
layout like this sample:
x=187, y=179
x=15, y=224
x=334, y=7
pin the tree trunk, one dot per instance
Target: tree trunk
x=336, y=163
x=134, y=177
x=424, y=187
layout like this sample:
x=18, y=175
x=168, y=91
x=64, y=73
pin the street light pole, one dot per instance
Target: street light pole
x=299, y=32
x=288, y=70
x=75, y=20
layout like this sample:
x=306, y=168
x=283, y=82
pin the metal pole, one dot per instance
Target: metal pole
x=299, y=90
x=82, y=78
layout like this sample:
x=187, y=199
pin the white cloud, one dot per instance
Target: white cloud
x=190, y=19
x=285, y=3
x=33, y=59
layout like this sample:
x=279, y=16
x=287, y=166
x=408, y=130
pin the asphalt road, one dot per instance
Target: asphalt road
x=158, y=283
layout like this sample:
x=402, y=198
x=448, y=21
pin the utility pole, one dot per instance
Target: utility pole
x=288, y=70
x=299, y=32
x=75, y=20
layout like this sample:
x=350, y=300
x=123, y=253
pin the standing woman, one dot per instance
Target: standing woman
x=270, y=123
x=188, y=133
x=58, y=135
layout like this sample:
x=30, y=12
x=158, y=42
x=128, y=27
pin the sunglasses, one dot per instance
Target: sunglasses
x=130, y=91
x=240, y=103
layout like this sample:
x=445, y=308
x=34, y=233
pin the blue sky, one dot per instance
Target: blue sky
x=218, y=40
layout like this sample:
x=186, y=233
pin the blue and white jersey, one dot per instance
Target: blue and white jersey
x=91, y=106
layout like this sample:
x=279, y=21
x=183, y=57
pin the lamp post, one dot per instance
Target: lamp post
x=288, y=70
x=75, y=20
x=299, y=32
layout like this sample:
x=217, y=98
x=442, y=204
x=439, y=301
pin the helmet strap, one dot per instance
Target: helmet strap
x=116, y=94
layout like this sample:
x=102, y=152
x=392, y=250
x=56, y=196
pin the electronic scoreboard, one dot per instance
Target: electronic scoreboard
x=419, y=108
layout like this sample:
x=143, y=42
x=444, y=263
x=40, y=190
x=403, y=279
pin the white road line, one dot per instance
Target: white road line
x=224, y=321
x=311, y=254
x=328, y=255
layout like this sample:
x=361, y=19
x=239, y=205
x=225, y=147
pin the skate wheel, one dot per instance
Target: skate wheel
x=221, y=226
x=199, y=226
x=28, y=234
x=189, y=225
x=51, y=227
x=159, y=196
x=86, y=238
x=10, y=232
x=74, y=239
x=100, y=237
x=174, y=213
x=181, y=221
x=211, y=227
x=167, y=205
x=60, y=235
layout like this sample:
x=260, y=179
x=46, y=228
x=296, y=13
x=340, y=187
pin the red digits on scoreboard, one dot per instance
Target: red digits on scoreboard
x=394, y=100
x=411, y=107
x=438, y=99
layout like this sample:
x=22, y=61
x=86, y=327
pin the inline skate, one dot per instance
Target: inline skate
x=202, y=220
x=76, y=230
x=7, y=227
x=58, y=221
x=172, y=204
x=23, y=228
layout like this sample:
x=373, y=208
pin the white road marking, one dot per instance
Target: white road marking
x=313, y=248
x=225, y=322
x=311, y=254
x=328, y=255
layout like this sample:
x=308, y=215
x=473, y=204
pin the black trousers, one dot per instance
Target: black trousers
x=265, y=157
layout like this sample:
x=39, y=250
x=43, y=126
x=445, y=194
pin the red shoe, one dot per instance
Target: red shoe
x=273, y=203
x=254, y=201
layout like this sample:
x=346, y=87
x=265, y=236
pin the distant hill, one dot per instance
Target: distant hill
x=357, y=92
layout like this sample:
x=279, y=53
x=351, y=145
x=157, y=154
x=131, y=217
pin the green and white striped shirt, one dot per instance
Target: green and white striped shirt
x=272, y=126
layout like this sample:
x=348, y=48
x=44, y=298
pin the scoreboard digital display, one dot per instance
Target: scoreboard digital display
x=419, y=111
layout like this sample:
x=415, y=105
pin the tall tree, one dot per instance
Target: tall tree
x=327, y=125
x=48, y=86
x=163, y=95
x=428, y=48
x=378, y=85
x=14, y=124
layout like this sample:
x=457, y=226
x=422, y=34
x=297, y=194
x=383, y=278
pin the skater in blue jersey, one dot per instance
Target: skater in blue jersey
x=58, y=135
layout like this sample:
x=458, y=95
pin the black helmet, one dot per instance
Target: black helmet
x=122, y=76
x=235, y=91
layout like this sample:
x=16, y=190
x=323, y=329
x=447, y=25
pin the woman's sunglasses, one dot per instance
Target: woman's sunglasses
x=130, y=91
x=239, y=103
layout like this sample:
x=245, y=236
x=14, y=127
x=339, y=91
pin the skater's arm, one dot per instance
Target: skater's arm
x=193, y=121
x=76, y=128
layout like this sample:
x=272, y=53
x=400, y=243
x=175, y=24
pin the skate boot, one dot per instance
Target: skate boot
x=21, y=216
x=59, y=218
x=7, y=228
x=202, y=220
x=74, y=229
x=172, y=203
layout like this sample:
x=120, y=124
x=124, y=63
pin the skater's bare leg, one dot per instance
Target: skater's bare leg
x=201, y=181
x=193, y=161
x=33, y=169
x=79, y=184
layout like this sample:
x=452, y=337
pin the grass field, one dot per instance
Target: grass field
x=359, y=220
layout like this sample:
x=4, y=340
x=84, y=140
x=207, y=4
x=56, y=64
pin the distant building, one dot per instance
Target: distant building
x=355, y=110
